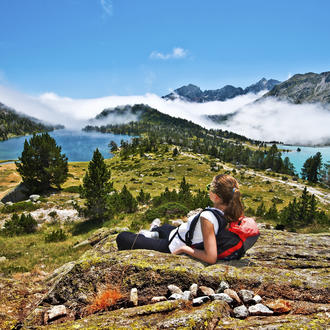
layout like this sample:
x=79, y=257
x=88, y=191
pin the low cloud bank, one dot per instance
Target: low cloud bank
x=267, y=120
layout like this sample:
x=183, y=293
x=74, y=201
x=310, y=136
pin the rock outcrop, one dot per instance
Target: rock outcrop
x=304, y=88
x=287, y=266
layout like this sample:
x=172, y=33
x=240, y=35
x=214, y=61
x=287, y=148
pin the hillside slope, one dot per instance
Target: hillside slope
x=303, y=88
x=13, y=123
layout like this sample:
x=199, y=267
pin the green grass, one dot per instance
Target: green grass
x=27, y=252
x=24, y=253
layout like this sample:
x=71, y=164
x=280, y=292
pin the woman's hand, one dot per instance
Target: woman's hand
x=183, y=249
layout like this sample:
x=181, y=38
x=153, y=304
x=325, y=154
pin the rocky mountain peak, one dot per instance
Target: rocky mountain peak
x=192, y=93
x=304, y=88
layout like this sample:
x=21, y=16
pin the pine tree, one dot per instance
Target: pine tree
x=303, y=206
x=41, y=164
x=143, y=197
x=96, y=188
x=289, y=215
x=311, y=169
x=272, y=213
x=175, y=152
x=312, y=209
x=113, y=146
x=127, y=201
x=261, y=210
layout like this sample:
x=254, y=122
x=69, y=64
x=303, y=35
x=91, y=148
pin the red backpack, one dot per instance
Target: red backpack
x=232, y=242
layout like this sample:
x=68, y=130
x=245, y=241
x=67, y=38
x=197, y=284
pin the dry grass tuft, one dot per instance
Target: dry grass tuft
x=104, y=300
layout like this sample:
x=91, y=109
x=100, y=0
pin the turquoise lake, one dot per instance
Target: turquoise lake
x=298, y=158
x=77, y=145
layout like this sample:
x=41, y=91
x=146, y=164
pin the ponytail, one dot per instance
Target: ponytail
x=226, y=187
x=235, y=208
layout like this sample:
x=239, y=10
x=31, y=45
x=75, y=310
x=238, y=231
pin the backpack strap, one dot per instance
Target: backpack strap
x=190, y=233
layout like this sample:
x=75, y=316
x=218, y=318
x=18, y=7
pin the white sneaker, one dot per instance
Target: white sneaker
x=155, y=223
x=149, y=234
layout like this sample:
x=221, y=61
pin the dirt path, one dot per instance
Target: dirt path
x=323, y=197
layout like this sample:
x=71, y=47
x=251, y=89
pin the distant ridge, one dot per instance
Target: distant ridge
x=192, y=93
x=303, y=88
x=13, y=124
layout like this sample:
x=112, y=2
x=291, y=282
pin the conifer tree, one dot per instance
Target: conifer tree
x=143, y=197
x=261, y=210
x=311, y=169
x=96, y=188
x=41, y=164
x=303, y=207
x=272, y=213
x=175, y=152
x=128, y=202
x=113, y=146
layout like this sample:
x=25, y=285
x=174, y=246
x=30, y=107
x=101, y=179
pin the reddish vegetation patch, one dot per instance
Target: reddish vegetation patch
x=104, y=300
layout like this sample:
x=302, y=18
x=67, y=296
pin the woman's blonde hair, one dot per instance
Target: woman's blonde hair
x=227, y=188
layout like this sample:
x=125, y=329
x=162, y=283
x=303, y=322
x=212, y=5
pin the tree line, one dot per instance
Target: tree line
x=13, y=124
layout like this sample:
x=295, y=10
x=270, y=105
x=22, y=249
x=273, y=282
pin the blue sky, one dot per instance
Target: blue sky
x=93, y=48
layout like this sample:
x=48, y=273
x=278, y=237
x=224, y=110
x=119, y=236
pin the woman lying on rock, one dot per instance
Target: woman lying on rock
x=218, y=232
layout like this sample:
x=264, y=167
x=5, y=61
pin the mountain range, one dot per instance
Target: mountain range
x=192, y=93
x=303, y=88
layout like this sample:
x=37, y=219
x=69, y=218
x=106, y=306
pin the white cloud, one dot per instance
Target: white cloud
x=107, y=7
x=177, y=53
x=267, y=120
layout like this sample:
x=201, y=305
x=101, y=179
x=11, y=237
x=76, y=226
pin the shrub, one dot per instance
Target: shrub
x=55, y=236
x=20, y=207
x=277, y=200
x=167, y=210
x=72, y=189
x=19, y=225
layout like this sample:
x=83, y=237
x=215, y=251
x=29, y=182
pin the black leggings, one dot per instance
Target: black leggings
x=127, y=240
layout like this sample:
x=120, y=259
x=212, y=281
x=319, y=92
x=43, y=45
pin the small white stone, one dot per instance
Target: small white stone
x=241, y=312
x=257, y=299
x=175, y=296
x=223, y=286
x=222, y=296
x=246, y=295
x=193, y=289
x=134, y=296
x=56, y=311
x=158, y=299
x=186, y=295
x=174, y=289
x=200, y=300
x=260, y=309
x=3, y=259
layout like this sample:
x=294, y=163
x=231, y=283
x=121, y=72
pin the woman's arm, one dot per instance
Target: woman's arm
x=209, y=254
